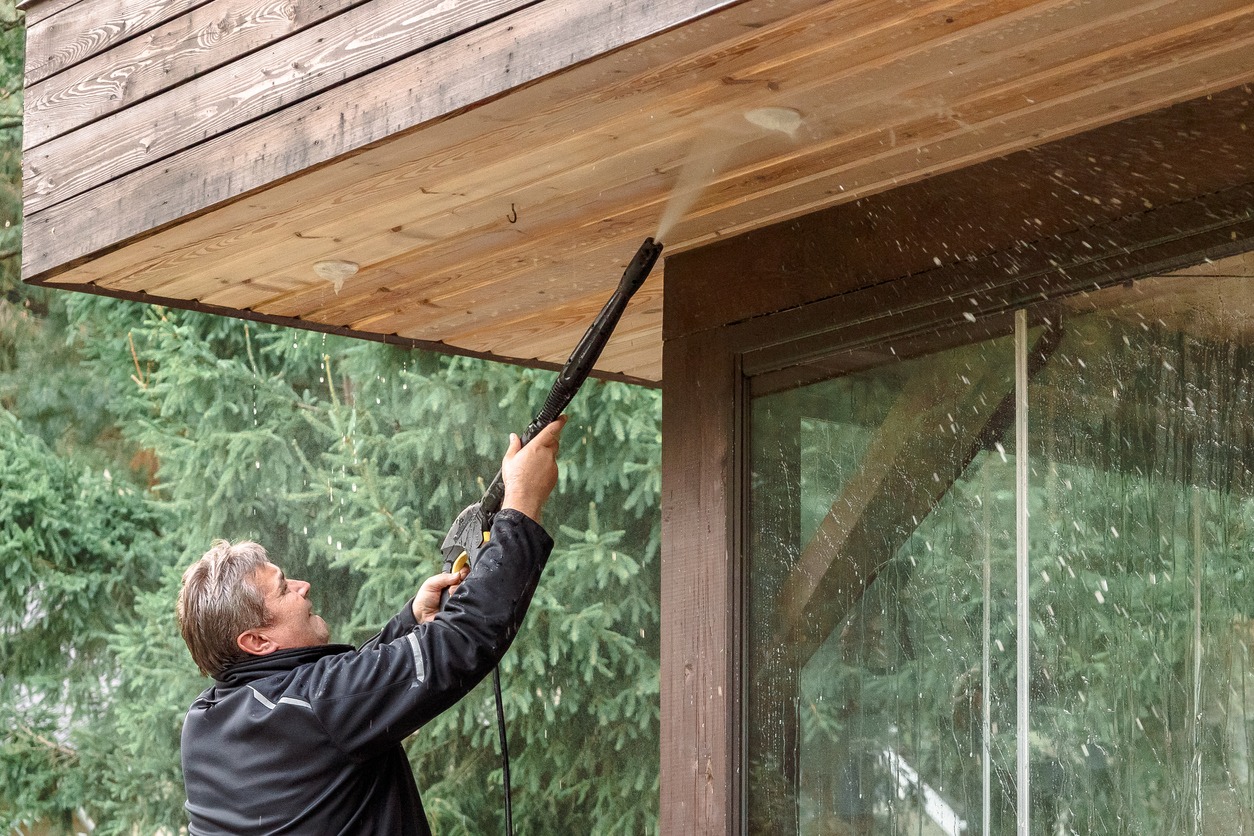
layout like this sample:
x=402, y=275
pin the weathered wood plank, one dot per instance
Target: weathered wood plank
x=86, y=29
x=37, y=10
x=311, y=61
x=204, y=39
x=459, y=72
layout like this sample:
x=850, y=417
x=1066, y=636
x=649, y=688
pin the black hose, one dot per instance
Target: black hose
x=500, y=733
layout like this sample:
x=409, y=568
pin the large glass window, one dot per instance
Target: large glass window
x=1003, y=586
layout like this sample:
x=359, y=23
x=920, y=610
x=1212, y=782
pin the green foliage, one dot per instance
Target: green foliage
x=348, y=460
x=131, y=752
x=76, y=550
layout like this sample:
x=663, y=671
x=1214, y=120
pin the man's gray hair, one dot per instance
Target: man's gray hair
x=219, y=600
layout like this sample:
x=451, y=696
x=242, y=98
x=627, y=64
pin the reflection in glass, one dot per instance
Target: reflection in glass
x=880, y=648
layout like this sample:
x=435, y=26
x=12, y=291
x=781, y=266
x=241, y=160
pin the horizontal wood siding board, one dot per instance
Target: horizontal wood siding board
x=202, y=40
x=1082, y=181
x=37, y=10
x=89, y=28
x=312, y=61
x=462, y=72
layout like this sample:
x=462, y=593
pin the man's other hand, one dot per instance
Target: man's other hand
x=427, y=601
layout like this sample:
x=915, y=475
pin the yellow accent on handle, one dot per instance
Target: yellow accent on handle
x=463, y=559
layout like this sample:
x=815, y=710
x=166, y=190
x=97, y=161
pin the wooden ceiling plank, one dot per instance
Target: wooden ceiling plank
x=609, y=244
x=459, y=253
x=534, y=337
x=375, y=195
x=906, y=158
x=485, y=312
x=158, y=286
x=243, y=295
x=898, y=162
x=488, y=323
x=498, y=347
x=900, y=96
x=302, y=243
x=627, y=363
x=203, y=39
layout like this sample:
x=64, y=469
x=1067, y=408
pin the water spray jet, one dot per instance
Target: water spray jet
x=709, y=157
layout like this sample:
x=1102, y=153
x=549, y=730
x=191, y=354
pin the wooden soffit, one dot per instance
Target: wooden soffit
x=490, y=166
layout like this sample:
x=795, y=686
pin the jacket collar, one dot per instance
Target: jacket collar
x=280, y=661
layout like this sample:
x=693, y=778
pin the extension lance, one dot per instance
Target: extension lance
x=469, y=532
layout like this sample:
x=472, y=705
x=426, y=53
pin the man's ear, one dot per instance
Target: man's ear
x=254, y=643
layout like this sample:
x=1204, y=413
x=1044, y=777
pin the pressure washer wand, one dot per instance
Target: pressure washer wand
x=469, y=533
x=466, y=537
x=579, y=365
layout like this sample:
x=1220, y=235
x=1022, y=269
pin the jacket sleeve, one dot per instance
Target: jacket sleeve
x=376, y=697
x=400, y=624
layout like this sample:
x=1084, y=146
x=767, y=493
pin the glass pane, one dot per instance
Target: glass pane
x=881, y=659
x=880, y=545
x=1141, y=541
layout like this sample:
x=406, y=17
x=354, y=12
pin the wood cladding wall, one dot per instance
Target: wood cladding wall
x=490, y=165
x=140, y=118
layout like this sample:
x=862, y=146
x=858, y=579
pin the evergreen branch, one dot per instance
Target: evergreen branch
x=56, y=748
x=139, y=377
x=7, y=254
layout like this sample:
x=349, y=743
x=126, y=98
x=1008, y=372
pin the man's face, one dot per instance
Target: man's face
x=294, y=623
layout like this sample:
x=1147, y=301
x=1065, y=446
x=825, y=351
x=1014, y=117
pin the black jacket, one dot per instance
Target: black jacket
x=308, y=741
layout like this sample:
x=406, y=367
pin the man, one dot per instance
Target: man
x=300, y=736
